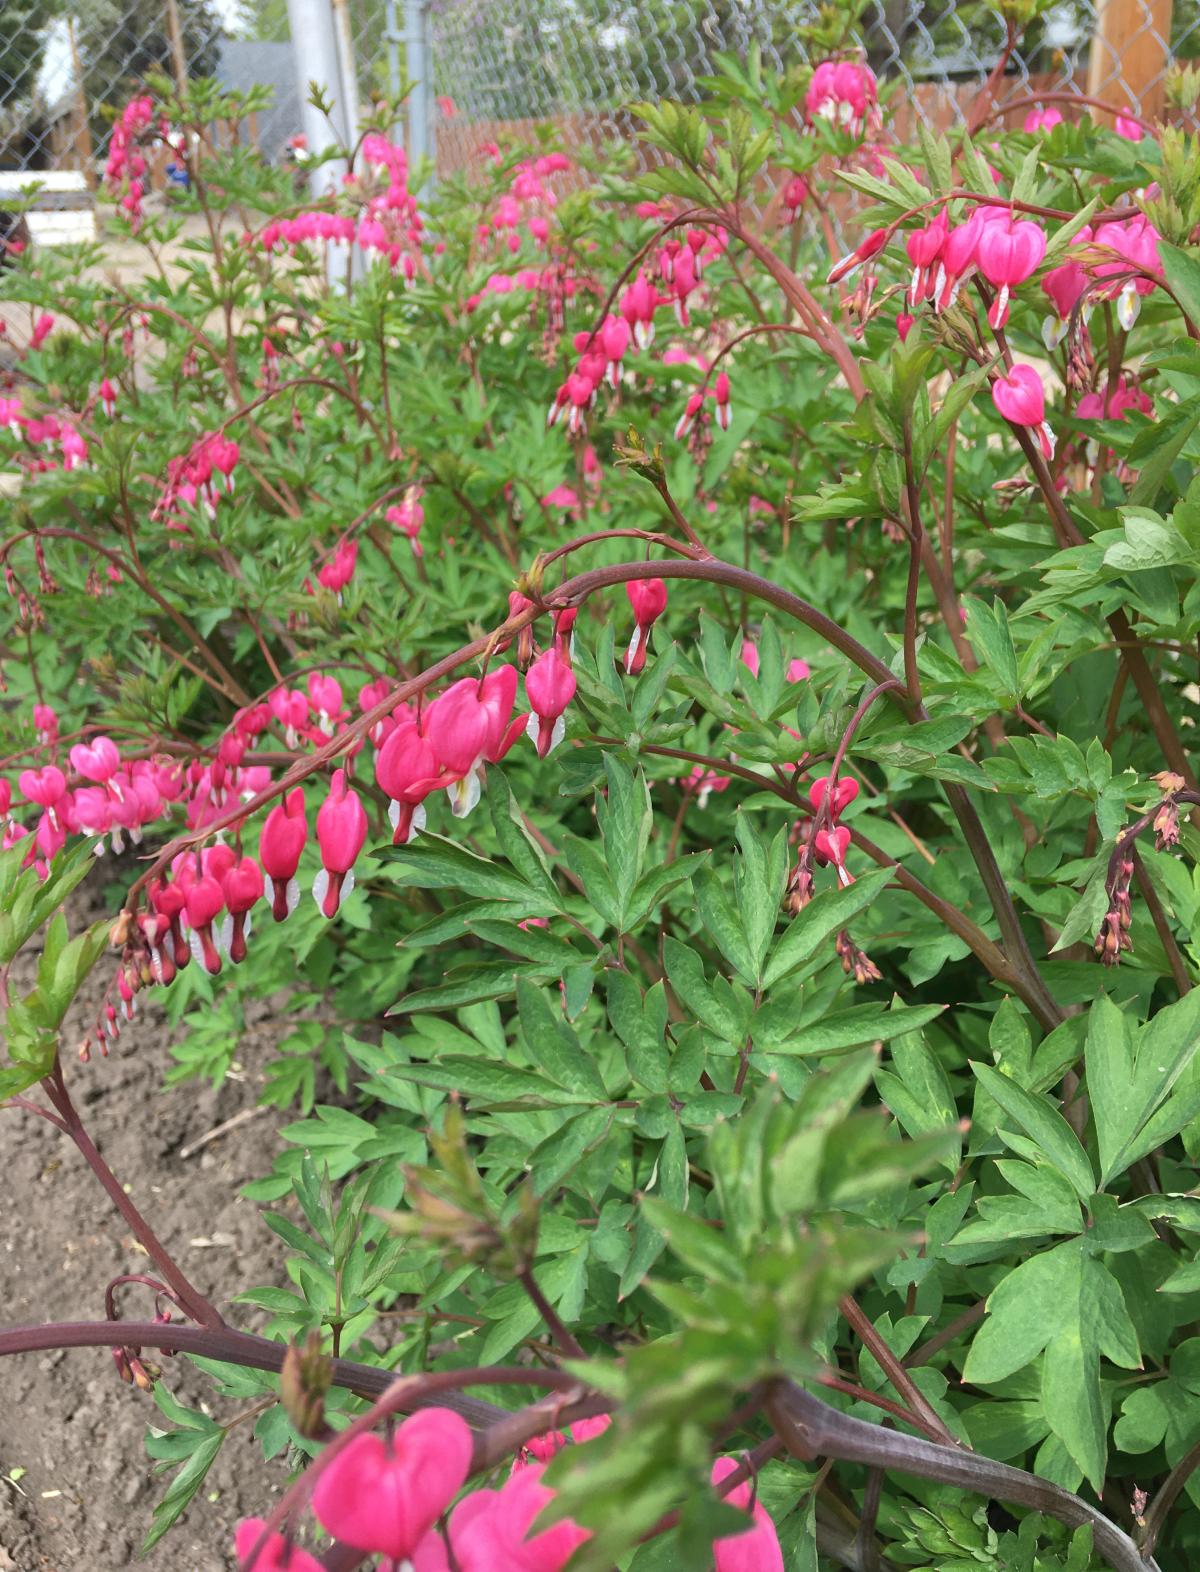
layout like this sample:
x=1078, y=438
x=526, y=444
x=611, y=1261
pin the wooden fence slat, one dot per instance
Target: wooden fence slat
x=1129, y=55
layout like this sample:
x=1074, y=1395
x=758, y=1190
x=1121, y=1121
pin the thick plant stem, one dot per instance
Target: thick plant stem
x=190, y=1299
x=811, y=1428
x=232, y=1347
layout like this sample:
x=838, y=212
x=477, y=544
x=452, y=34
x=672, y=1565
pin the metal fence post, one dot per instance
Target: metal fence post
x=315, y=51
x=418, y=68
x=394, y=38
x=318, y=61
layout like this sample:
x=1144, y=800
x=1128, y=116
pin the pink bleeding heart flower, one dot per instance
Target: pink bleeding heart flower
x=469, y=726
x=50, y=835
x=407, y=769
x=648, y=597
x=409, y=517
x=795, y=195
x=1021, y=399
x=615, y=335
x=540, y=1448
x=721, y=395
x=870, y=247
x=384, y=1496
x=490, y=1529
x=243, y=887
x=277, y=1554
x=1042, y=120
x=757, y=1549
x=638, y=305
x=1126, y=396
x=216, y=860
x=549, y=687
x=1064, y=287
x=959, y=259
x=1134, y=242
x=168, y=901
x=844, y=793
x=457, y=726
x=326, y=696
x=1126, y=127
x=564, y=499
x=691, y=410
x=97, y=761
x=339, y=570
x=904, y=325
x=45, y=786
x=280, y=845
x=290, y=709
x=1008, y=253
x=924, y=247
x=843, y=91
x=203, y=901
x=341, y=834
x=832, y=845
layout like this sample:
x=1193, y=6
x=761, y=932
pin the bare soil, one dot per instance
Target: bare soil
x=76, y=1486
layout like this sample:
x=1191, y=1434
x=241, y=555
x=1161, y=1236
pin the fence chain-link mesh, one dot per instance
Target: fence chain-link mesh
x=494, y=62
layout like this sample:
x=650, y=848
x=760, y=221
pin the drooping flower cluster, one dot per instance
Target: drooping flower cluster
x=1117, y=260
x=199, y=476
x=1042, y=120
x=528, y=200
x=102, y=796
x=125, y=167
x=387, y=1496
x=824, y=841
x=447, y=747
x=389, y=224
x=679, y=263
x=553, y=283
x=41, y=435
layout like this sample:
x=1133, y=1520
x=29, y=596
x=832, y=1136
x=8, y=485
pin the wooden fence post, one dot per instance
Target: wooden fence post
x=178, y=53
x=1129, y=55
x=83, y=130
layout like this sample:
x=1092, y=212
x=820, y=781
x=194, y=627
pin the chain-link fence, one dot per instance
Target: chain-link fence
x=487, y=64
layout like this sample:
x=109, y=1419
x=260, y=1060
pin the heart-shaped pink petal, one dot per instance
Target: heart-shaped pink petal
x=833, y=844
x=1020, y=397
x=384, y=1497
x=844, y=793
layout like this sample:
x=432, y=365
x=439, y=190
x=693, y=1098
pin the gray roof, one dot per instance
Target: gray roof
x=246, y=63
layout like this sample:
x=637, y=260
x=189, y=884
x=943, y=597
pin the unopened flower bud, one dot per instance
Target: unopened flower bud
x=304, y=1380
